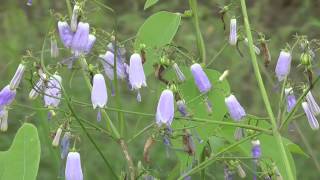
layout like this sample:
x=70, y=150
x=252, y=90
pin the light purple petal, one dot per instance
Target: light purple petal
x=137, y=77
x=200, y=78
x=233, y=32
x=99, y=95
x=53, y=91
x=73, y=167
x=80, y=38
x=313, y=122
x=6, y=96
x=165, y=109
x=283, y=65
x=65, y=33
x=236, y=111
x=17, y=77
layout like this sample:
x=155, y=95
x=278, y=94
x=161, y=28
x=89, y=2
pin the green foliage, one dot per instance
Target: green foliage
x=158, y=30
x=21, y=161
x=150, y=3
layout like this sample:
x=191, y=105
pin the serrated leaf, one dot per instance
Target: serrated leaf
x=157, y=31
x=21, y=161
x=150, y=3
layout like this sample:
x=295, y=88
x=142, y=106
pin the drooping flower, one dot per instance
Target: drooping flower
x=241, y=171
x=313, y=105
x=73, y=167
x=54, y=48
x=256, y=49
x=256, y=149
x=291, y=99
x=107, y=61
x=29, y=2
x=200, y=78
x=65, y=33
x=228, y=173
x=137, y=77
x=178, y=72
x=52, y=93
x=165, y=109
x=233, y=32
x=7, y=96
x=235, y=109
x=99, y=95
x=15, y=81
x=39, y=87
x=182, y=108
x=283, y=65
x=91, y=41
x=313, y=122
x=56, y=138
x=3, y=119
x=74, y=17
x=65, y=144
x=80, y=39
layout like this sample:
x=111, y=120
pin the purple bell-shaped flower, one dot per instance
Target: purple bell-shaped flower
x=233, y=32
x=165, y=109
x=201, y=79
x=107, y=61
x=291, y=99
x=7, y=95
x=73, y=167
x=313, y=105
x=65, y=33
x=313, y=122
x=99, y=95
x=91, y=41
x=283, y=65
x=53, y=92
x=80, y=39
x=235, y=109
x=137, y=77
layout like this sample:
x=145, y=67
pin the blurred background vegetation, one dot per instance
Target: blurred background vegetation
x=24, y=28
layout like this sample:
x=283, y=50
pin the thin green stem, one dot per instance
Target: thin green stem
x=212, y=159
x=308, y=146
x=218, y=54
x=200, y=43
x=69, y=8
x=265, y=98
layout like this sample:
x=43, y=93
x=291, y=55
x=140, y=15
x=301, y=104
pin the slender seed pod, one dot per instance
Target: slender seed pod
x=146, y=149
x=54, y=50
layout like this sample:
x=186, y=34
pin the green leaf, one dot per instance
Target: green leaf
x=21, y=161
x=150, y=3
x=157, y=31
x=294, y=148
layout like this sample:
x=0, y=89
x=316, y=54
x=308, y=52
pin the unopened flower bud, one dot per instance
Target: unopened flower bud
x=233, y=32
x=17, y=77
x=56, y=138
x=224, y=75
x=74, y=17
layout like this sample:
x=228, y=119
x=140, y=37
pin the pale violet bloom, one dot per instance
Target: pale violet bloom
x=165, y=109
x=283, y=65
x=235, y=109
x=313, y=105
x=182, y=108
x=256, y=49
x=38, y=88
x=29, y=2
x=233, y=32
x=80, y=39
x=54, y=50
x=256, y=149
x=3, y=119
x=65, y=144
x=291, y=99
x=65, y=33
x=52, y=93
x=91, y=41
x=107, y=61
x=313, y=122
x=7, y=96
x=15, y=81
x=73, y=167
x=200, y=78
x=137, y=77
x=56, y=138
x=99, y=95
x=178, y=72
x=74, y=17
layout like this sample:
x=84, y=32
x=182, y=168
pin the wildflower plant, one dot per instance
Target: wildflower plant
x=194, y=117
